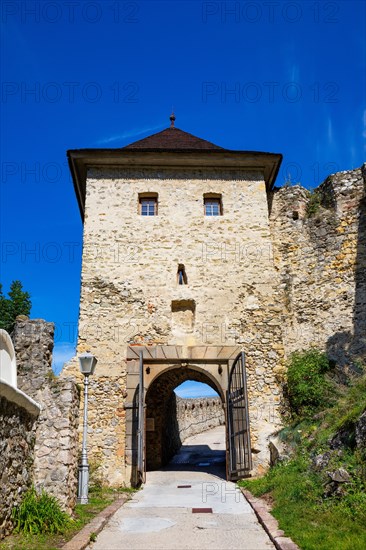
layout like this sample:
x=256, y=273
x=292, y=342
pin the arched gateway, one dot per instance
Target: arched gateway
x=152, y=374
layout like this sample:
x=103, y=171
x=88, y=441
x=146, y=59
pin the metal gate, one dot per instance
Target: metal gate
x=141, y=469
x=239, y=461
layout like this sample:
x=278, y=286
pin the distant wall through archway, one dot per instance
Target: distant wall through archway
x=163, y=434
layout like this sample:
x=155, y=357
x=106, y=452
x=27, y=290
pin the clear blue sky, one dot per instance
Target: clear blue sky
x=284, y=77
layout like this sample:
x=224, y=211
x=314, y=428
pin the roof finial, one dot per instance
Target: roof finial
x=172, y=119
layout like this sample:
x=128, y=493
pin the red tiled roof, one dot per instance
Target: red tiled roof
x=173, y=139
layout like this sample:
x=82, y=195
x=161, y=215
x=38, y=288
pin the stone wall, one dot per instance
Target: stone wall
x=130, y=293
x=17, y=439
x=198, y=415
x=187, y=417
x=270, y=280
x=321, y=259
x=56, y=432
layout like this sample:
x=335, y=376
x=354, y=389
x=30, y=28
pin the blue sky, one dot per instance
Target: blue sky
x=284, y=77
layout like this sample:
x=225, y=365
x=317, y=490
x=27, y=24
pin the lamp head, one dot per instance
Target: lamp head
x=87, y=363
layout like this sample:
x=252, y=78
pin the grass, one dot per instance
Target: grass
x=304, y=510
x=312, y=522
x=40, y=513
x=99, y=499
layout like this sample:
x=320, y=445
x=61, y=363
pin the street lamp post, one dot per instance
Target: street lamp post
x=87, y=366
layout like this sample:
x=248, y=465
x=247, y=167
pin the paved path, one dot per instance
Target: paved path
x=160, y=516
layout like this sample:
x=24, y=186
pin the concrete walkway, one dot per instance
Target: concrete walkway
x=162, y=516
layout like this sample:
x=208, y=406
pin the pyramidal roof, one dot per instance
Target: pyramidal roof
x=172, y=139
x=171, y=148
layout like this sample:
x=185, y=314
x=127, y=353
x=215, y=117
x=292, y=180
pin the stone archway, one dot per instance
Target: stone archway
x=162, y=432
x=210, y=364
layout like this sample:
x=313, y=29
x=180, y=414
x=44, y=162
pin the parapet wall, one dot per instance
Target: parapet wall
x=187, y=417
x=56, y=433
x=198, y=415
x=17, y=439
x=319, y=246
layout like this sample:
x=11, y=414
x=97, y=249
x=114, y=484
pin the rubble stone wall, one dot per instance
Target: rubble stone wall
x=17, y=439
x=320, y=252
x=182, y=419
x=198, y=415
x=56, y=433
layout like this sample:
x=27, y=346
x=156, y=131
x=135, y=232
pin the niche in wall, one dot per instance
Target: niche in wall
x=183, y=315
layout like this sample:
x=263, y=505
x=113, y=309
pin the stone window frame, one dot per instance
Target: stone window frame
x=211, y=199
x=148, y=197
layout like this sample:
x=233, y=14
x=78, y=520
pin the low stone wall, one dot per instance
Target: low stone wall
x=198, y=415
x=187, y=417
x=17, y=439
x=56, y=446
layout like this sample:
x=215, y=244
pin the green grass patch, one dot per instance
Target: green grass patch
x=314, y=518
x=40, y=513
x=313, y=522
x=99, y=498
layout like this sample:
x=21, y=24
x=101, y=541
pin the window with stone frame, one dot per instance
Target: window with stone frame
x=148, y=204
x=212, y=203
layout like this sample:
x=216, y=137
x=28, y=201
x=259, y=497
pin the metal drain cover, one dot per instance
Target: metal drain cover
x=201, y=510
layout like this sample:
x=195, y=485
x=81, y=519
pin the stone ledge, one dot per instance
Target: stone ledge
x=269, y=523
x=82, y=539
x=13, y=395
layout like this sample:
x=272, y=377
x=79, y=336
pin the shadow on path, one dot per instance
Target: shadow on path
x=196, y=457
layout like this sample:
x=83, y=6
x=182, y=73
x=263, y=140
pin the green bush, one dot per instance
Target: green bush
x=308, y=389
x=39, y=513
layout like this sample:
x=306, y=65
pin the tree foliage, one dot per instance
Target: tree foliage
x=17, y=303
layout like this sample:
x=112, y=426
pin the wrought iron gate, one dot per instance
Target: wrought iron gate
x=141, y=469
x=239, y=461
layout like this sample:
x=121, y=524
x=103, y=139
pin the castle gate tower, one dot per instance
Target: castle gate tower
x=178, y=280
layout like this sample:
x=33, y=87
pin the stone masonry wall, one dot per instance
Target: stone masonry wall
x=187, y=417
x=130, y=292
x=56, y=434
x=321, y=259
x=17, y=439
x=198, y=415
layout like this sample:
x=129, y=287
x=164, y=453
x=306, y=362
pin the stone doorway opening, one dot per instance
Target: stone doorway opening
x=152, y=374
x=165, y=418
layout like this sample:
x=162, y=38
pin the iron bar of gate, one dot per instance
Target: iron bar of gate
x=141, y=421
x=248, y=445
x=238, y=420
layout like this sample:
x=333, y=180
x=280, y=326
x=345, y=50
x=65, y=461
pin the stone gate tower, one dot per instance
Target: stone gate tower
x=177, y=261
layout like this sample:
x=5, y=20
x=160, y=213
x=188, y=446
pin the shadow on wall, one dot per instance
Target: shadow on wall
x=135, y=480
x=349, y=350
x=171, y=437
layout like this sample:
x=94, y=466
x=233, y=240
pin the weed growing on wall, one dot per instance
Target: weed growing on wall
x=314, y=203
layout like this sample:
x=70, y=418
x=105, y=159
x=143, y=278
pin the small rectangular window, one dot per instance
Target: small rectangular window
x=148, y=205
x=212, y=205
